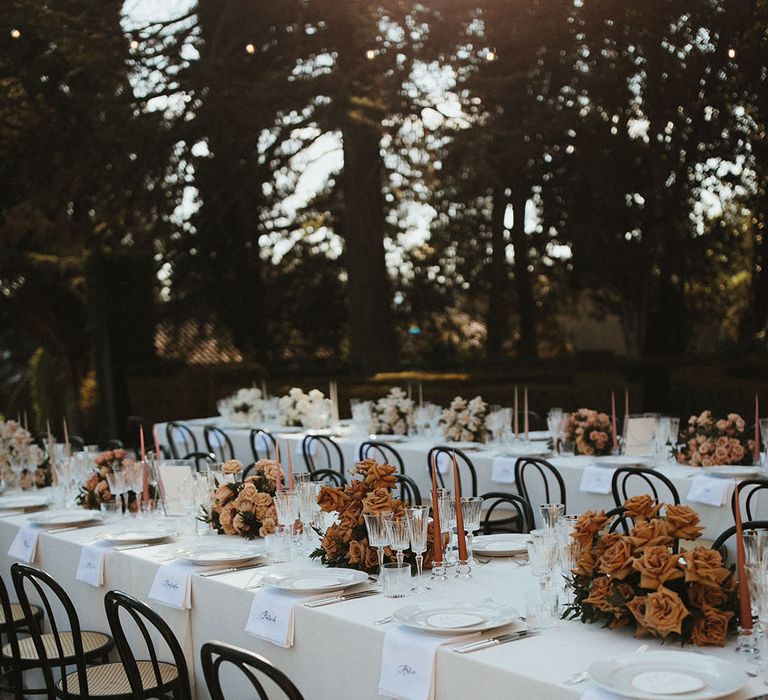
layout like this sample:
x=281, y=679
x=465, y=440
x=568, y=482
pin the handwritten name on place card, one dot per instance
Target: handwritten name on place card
x=24, y=545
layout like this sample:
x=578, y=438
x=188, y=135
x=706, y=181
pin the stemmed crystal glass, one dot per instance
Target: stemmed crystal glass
x=378, y=534
x=308, y=491
x=418, y=529
x=118, y=486
x=764, y=435
x=398, y=535
x=555, y=425
x=470, y=509
x=287, y=507
x=447, y=510
x=543, y=557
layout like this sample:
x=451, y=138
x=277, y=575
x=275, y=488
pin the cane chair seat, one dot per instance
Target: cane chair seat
x=17, y=613
x=111, y=680
x=93, y=644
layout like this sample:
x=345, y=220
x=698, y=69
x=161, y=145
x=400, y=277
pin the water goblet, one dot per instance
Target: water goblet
x=398, y=535
x=378, y=535
x=447, y=511
x=470, y=509
x=550, y=514
x=418, y=529
x=287, y=507
x=308, y=491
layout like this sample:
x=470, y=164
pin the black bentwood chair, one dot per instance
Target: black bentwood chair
x=201, y=460
x=150, y=677
x=409, y=490
x=263, y=444
x=59, y=649
x=382, y=453
x=543, y=471
x=521, y=521
x=181, y=439
x=328, y=476
x=215, y=654
x=749, y=489
x=218, y=442
x=650, y=481
x=322, y=452
x=442, y=455
x=719, y=545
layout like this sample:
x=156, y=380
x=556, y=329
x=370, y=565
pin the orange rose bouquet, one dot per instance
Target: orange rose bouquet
x=710, y=443
x=345, y=543
x=640, y=580
x=245, y=507
x=95, y=489
x=590, y=432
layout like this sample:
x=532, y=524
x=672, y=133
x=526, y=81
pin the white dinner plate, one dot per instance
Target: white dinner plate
x=67, y=518
x=668, y=675
x=25, y=502
x=466, y=445
x=617, y=461
x=137, y=536
x=455, y=617
x=731, y=471
x=218, y=554
x=501, y=545
x=315, y=580
x=287, y=429
x=388, y=438
x=524, y=451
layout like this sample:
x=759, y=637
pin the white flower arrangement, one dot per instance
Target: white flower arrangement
x=244, y=406
x=464, y=421
x=391, y=415
x=310, y=410
x=16, y=446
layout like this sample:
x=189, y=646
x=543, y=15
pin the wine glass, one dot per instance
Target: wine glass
x=398, y=535
x=543, y=556
x=470, y=510
x=117, y=485
x=418, y=528
x=447, y=511
x=378, y=535
x=287, y=507
x=308, y=491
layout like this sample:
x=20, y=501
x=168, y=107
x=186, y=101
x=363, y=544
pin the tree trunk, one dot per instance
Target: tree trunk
x=372, y=345
x=497, y=320
x=523, y=284
x=756, y=316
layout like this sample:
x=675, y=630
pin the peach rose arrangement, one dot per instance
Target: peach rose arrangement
x=640, y=580
x=95, y=489
x=345, y=543
x=709, y=443
x=245, y=507
x=590, y=432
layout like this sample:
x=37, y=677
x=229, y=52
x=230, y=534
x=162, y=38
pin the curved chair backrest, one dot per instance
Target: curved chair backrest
x=201, y=459
x=648, y=479
x=443, y=456
x=382, y=453
x=140, y=613
x=534, y=420
x=9, y=631
x=719, y=543
x=215, y=654
x=181, y=439
x=409, y=490
x=748, y=490
x=114, y=444
x=521, y=521
x=263, y=444
x=620, y=522
x=218, y=442
x=48, y=590
x=76, y=443
x=328, y=476
x=528, y=468
x=322, y=452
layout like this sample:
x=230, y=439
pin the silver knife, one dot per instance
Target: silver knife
x=494, y=641
x=206, y=574
x=339, y=599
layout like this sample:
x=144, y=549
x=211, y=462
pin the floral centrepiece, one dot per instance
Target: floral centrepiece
x=639, y=580
x=16, y=447
x=345, y=543
x=244, y=406
x=465, y=420
x=246, y=507
x=95, y=489
x=310, y=410
x=590, y=432
x=708, y=443
x=391, y=415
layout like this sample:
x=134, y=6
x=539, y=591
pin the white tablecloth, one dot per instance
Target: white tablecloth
x=337, y=649
x=414, y=453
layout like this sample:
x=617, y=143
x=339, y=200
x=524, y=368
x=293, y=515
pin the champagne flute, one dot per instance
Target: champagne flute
x=398, y=535
x=470, y=509
x=418, y=528
x=378, y=536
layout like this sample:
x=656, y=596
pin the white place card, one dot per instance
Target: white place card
x=173, y=585
x=638, y=435
x=272, y=615
x=710, y=490
x=90, y=569
x=596, y=480
x=503, y=470
x=408, y=663
x=173, y=478
x=24, y=545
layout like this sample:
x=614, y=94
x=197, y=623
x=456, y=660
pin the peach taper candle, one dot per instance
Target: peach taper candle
x=745, y=606
x=437, y=541
x=279, y=479
x=459, y=514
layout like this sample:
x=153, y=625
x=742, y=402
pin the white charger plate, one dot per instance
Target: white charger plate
x=25, y=502
x=388, y=438
x=672, y=674
x=617, y=461
x=287, y=429
x=315, y=580
x=218, y=554
x=137, y=536
x=455, y=617
x=731, y=471
x=67, y=518
x=501, y=545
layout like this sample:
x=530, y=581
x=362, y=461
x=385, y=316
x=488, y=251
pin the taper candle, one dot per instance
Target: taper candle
x=756, y=446
x=613, y=420
x=525, y=412
x=745, y=607
x=437, y=540
x=517, y=425
x=279, y=480
x=626, y=401
x=158, y=453
x=264, y=394
x=141, y=443
x=290, y=466
x=26, y=424
x=459, y=515
x=66, y=437
x=421, y=395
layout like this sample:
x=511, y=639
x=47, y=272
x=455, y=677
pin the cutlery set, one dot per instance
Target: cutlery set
x=494, y=641
x=340, y=598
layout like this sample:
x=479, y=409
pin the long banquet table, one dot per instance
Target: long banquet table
x=414, y=453
x=337, y=651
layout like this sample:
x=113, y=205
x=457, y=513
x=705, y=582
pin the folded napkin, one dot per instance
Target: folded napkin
x=597, y=693
x=596, y=480
x=710, y=490
x=173, y=585
x=503, y=470
x=90, y=570
x=408, y=663
x=272, y=615
x=24, y=545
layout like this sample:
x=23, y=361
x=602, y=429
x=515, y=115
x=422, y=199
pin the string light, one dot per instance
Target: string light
x=370, y=54
x=15, y=34
x=491, y=55
x=134, y=44
x=731, y=53
x=250, y=48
